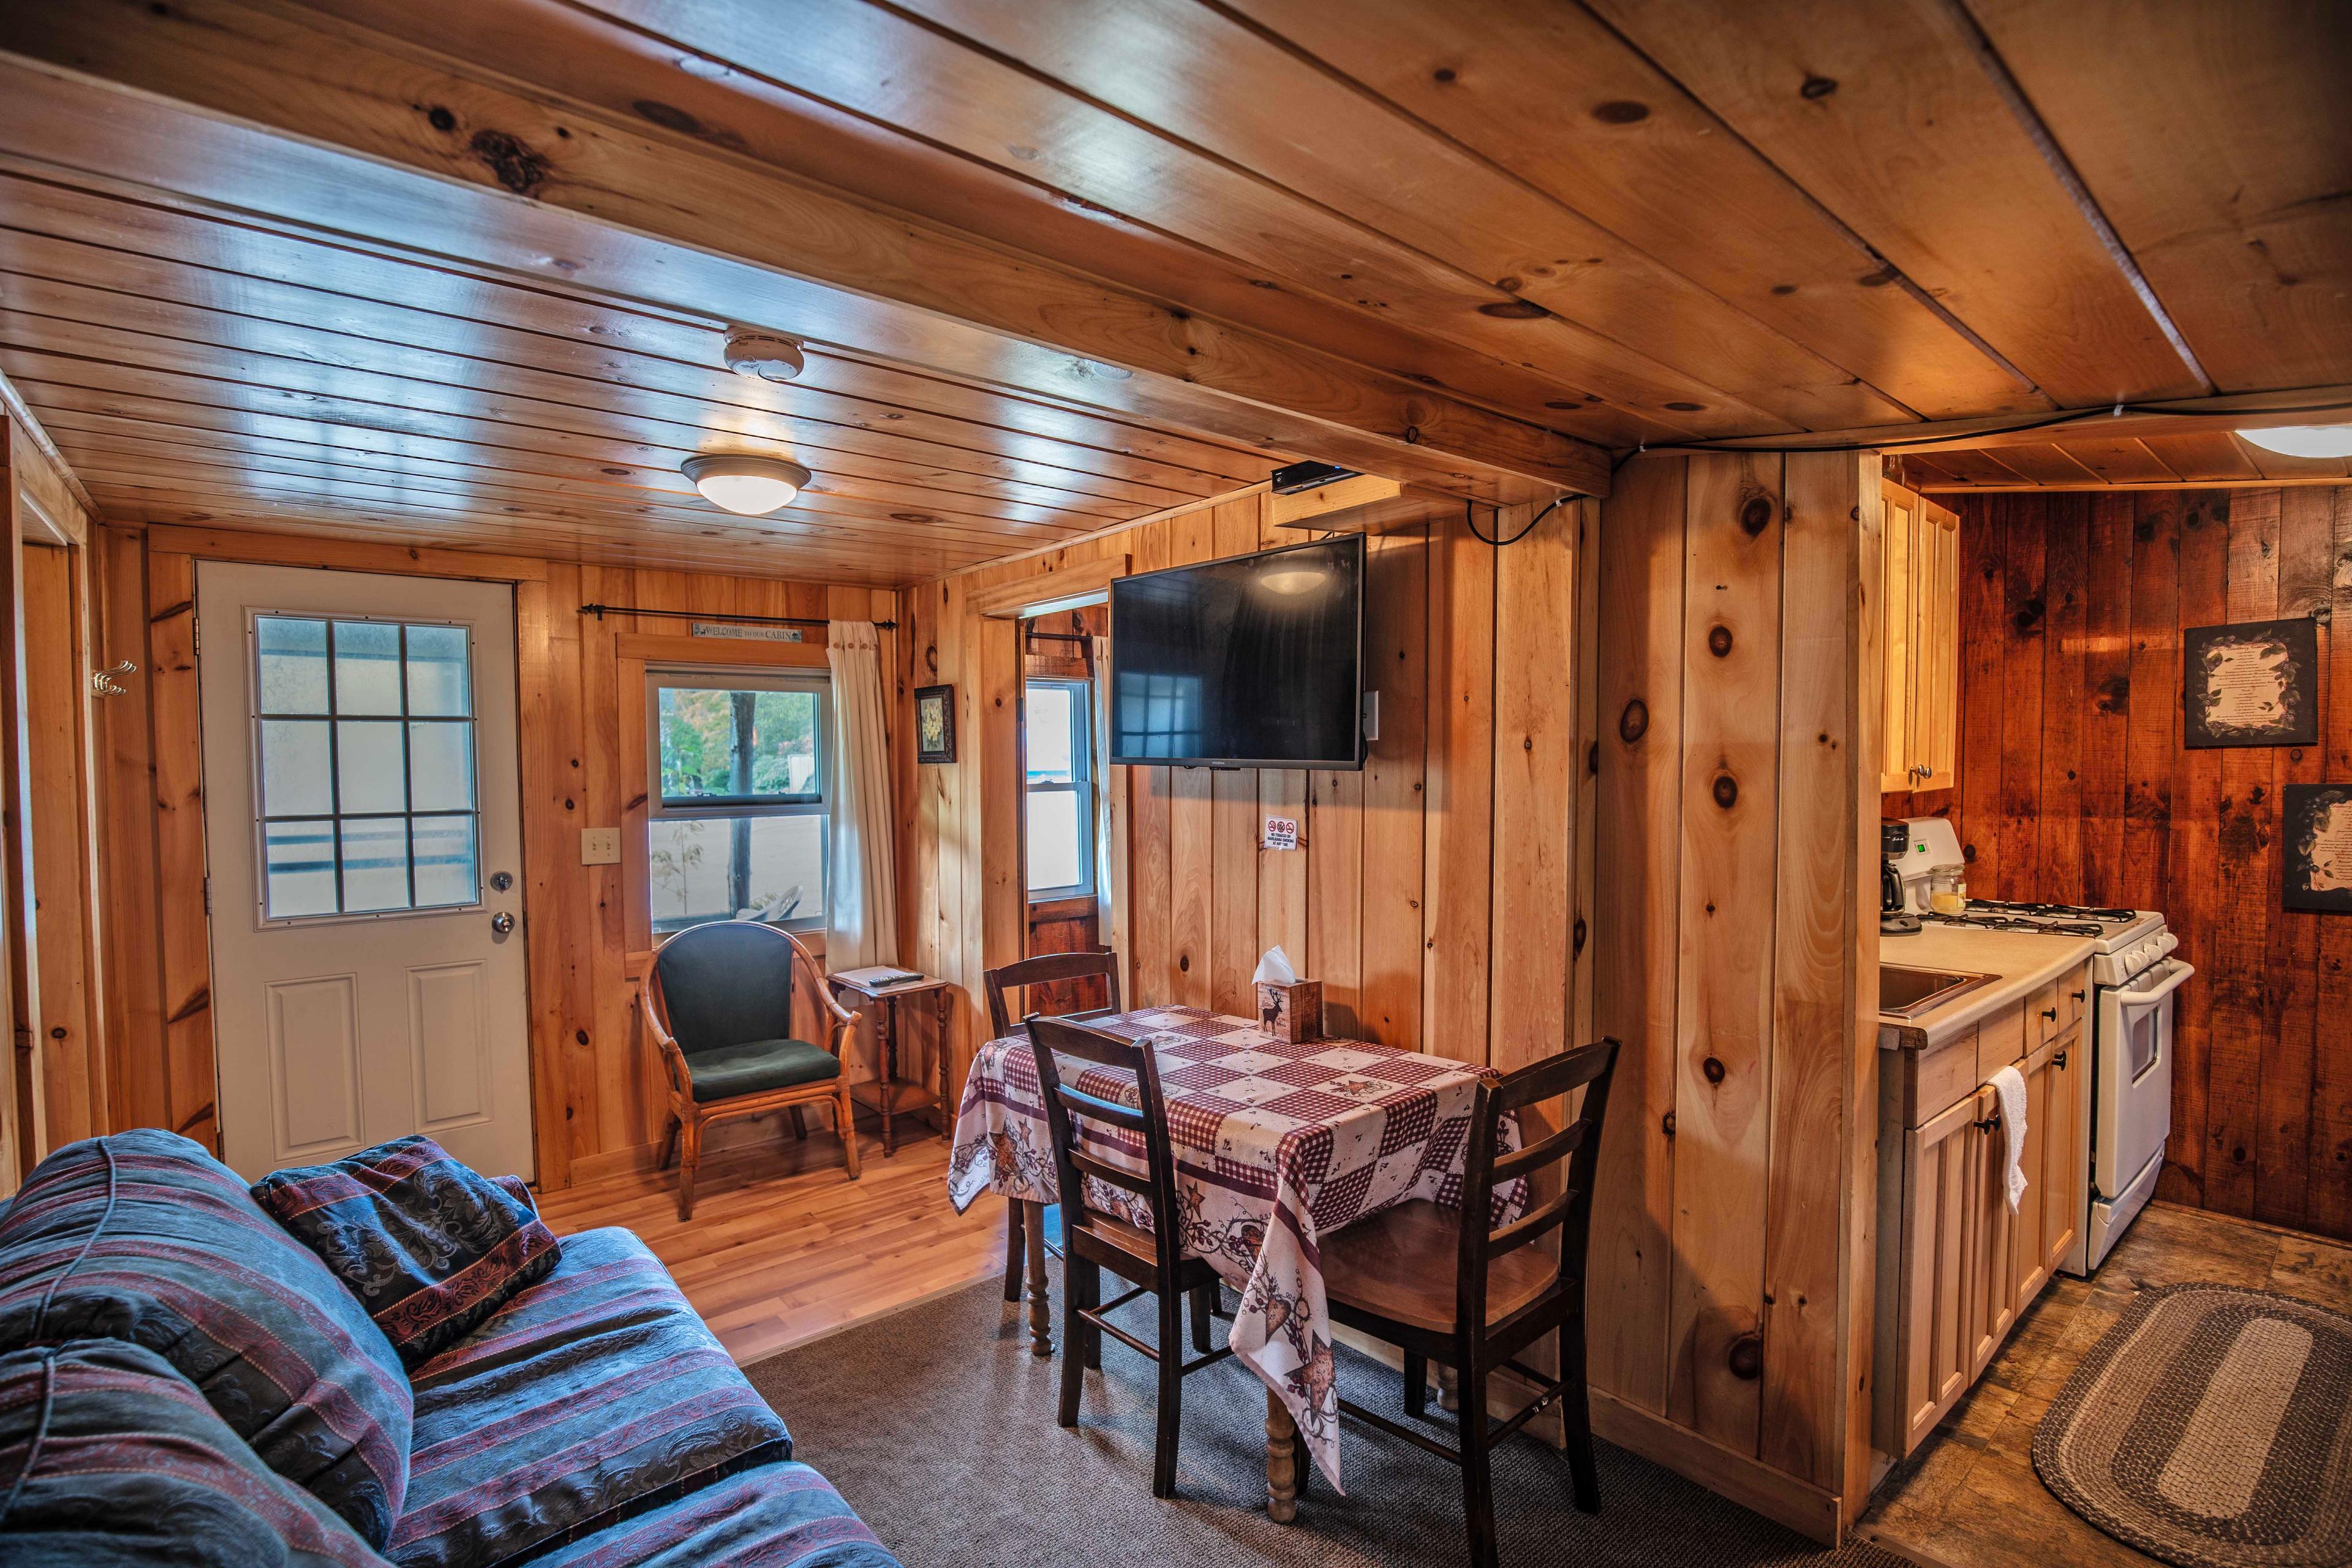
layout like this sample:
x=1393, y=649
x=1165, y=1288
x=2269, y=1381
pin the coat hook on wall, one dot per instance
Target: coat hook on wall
x=103, y=683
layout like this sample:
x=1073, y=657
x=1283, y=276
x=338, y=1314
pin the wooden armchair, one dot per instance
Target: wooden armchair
x=719, y=1004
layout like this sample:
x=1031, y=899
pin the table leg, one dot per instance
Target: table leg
x=1281, y=1460
x=1449, y=1388
x=945, y=1005
x=1041, y=1313
x=885, y=1040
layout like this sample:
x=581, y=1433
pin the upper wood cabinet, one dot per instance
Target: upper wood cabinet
x=1920, y=724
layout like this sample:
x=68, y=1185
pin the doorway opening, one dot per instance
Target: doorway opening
x=1065, y=863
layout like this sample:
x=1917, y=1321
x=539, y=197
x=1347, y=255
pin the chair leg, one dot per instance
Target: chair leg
x=670, y=1145
x=1081, y=1287
x=1416, y=1384
x=689, y=1159
x=1171, y=1394
x=844, y=1118
x=800, y=1125
x=1477, y=1479
x=1205, y=1303
x=1576, y=1421
x=1014, y=1243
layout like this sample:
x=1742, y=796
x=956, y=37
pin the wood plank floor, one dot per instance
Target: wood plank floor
x=784, y=1246
x=1969, y=1498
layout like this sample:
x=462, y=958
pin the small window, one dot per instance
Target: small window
x=1060, y=740
x=739, y=828
x=363, y=740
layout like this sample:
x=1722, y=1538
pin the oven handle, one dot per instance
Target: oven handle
x=2175, y=975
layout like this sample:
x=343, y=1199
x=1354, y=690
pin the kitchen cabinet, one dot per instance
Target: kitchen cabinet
x=1957, y=1267
x=1920, y=721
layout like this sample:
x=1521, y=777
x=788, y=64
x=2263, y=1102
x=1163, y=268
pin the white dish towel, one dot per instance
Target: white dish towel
x=2010, y=1085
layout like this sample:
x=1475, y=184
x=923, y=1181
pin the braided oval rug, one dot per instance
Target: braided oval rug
x=2212, y=1427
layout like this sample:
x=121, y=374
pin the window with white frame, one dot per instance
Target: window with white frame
x=1059, y=739
x=740, y=827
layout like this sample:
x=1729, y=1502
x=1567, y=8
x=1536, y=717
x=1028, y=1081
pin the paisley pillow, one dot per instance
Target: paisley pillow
x=428, y=1245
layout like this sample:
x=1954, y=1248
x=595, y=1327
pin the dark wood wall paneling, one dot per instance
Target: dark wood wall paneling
x=2074, y=786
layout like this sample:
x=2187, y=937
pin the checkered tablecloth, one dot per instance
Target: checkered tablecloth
x=1275, y=1145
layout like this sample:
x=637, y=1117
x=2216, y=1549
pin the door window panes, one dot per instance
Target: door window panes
x=365, y=744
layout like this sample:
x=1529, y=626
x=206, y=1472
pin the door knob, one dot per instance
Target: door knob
x=501, y=881
x=503, y=922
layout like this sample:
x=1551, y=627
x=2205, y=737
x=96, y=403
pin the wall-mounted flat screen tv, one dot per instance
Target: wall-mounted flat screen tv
x=1252, y=661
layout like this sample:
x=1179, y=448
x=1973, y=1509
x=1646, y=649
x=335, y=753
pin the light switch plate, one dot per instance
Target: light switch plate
x=600, y=847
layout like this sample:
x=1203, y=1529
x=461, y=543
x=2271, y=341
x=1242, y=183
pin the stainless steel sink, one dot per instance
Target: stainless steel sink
x=1908, y=993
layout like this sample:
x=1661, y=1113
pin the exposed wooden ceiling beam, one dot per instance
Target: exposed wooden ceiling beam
x=2233, y=411
x=401, y=147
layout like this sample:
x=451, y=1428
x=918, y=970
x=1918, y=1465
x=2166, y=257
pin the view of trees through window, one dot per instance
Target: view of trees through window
x=740, y=828
x=737, y=744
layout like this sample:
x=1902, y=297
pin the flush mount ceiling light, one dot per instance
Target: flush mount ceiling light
x=746, y=486
x=2303, y=440
x=764, y=355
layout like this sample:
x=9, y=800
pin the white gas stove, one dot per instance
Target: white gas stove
x=2128, y=1025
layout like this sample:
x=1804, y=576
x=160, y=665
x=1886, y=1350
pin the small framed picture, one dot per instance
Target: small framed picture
x=2252, y=684
x=935, y=723
x=2315, y=828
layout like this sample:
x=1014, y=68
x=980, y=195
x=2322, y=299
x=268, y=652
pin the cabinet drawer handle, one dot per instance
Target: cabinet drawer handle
x=1989, y=1124
x=2051, y=1013
x=2078, y=996
x=2059, y=1060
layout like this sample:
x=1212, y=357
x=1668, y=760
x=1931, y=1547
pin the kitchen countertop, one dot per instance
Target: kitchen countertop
x=2023, y=960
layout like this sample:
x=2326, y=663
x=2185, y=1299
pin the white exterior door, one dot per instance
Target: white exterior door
x=364, y=847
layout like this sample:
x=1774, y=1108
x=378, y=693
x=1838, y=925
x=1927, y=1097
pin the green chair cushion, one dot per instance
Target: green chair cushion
x=755, y=1066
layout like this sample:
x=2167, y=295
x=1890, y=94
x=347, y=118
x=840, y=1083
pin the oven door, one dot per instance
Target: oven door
x=2134, y=1088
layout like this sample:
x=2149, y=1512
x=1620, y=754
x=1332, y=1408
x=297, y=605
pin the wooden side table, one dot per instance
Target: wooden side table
x=886, y=1094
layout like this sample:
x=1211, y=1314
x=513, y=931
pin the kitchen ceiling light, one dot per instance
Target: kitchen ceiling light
x=747, y=486
x=764, y=355
x=2303, y=440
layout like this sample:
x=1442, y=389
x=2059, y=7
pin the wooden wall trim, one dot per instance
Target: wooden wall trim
x=260, y=548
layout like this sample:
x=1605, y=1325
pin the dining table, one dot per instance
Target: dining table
x=1276, y=1144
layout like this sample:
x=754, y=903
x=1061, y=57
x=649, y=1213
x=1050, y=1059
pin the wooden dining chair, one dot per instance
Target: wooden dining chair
x=1440, y=1286
x=1046, y=970
x=1154, y=1260
x=720, y=1003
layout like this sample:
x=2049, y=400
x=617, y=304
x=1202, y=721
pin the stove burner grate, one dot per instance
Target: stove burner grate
x=2063, y=911
x=1994, y=922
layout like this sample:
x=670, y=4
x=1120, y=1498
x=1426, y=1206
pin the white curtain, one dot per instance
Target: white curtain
x=1103, y=870
x=862, y=905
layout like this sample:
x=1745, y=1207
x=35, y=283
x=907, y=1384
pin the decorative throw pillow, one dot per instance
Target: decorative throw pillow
x=429, y=1246
x=112, y=1459
x=142, y=1236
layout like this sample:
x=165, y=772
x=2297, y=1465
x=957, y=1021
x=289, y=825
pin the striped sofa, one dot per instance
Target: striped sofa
x=181, y=1380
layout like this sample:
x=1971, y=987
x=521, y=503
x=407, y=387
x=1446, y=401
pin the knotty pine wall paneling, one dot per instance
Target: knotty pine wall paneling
x=1533, y=856
x=1735, y=959
x=2075, y=787
x=599, y=1096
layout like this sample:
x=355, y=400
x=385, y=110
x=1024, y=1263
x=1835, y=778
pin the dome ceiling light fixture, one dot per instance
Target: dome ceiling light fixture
x=764, y=356
x=2303, y=440
x=745, y=485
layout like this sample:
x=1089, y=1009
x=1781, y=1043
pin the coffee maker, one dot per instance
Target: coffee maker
x=1893, y=844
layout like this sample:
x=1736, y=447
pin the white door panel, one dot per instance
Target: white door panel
x=314, y=1064
x=362, y=808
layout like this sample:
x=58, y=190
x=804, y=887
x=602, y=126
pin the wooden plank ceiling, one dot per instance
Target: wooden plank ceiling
x=460, y=271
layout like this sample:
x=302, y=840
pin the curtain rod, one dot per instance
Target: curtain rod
x=601, y=611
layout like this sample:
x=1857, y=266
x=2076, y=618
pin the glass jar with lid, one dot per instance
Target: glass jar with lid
x=1948, y=890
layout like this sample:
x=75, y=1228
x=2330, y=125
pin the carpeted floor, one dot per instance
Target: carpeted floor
x=937, y=1423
